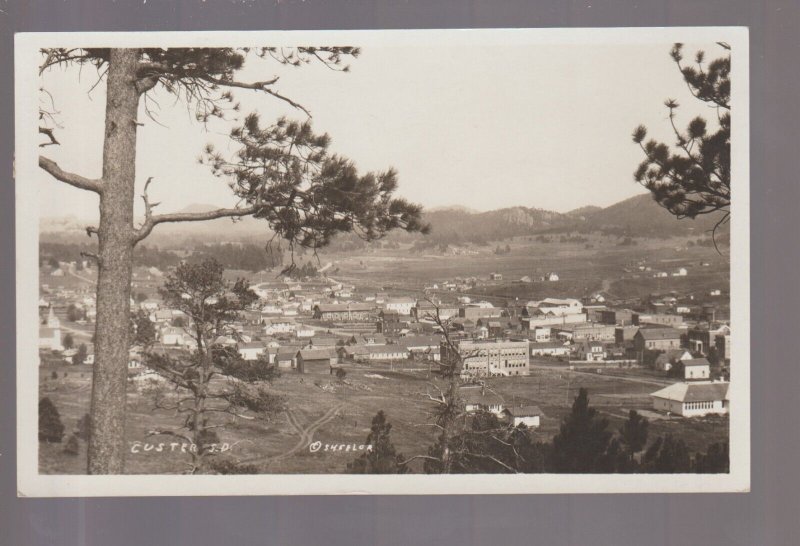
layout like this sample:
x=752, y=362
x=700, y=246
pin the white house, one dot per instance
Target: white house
x=303, y=331
x=252, y=350
x=590, y=351
x=681, y=272
x=476, y=398
x=550, y=348
x=541, y=334
x=557, y=307
x=693, y=399
x=669, y=358
x=278, y=326
x=172, y=336
x=695, y=369
x=530, y=416
x=552, y=277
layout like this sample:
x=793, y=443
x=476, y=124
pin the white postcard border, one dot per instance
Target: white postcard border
x=32, y=484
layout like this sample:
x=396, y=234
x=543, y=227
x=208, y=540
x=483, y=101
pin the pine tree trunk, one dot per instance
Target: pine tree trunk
x=115, y=234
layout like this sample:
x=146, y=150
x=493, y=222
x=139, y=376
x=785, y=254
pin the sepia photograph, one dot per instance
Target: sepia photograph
x=385, y=262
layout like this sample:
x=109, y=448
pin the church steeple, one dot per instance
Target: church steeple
x=52, y=320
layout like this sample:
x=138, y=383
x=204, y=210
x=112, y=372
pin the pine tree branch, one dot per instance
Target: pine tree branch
x=152, y=220
x=72, y=179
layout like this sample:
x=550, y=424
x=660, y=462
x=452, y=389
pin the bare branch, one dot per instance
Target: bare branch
x=49, y=133
x=72, y=179
x=152, y=221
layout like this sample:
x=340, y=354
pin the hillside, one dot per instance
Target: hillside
x=638, y=216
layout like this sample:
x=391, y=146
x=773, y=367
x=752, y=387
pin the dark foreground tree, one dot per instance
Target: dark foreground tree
x=667, y=455
x=692, y=177
x=72, y=447
x=84, y=427
x=381, y=457
x=213, y=386
x=282, y=174
x=80, y=357
x=51, y=429
x=582, y=440
x=715, y=461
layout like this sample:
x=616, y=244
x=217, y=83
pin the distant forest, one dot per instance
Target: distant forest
x=248, y=257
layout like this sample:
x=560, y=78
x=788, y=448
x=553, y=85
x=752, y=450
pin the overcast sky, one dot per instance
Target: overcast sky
x=481, y=127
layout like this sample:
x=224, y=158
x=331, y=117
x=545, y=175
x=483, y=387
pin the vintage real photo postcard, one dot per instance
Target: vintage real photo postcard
x=395, y=262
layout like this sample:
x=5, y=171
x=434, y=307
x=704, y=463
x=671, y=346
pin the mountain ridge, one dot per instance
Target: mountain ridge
x=639, y=215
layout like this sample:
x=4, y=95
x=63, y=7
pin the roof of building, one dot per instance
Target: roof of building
x=474, y=395
x=354, y=350
x=401, y=299
x=695, y=362
x=672, y=354
x=316, y=354
x=287, y=351
x=548, y=345
x=525, y=411
x=659, y=333
x=694, y=392
x=341, y=307
x=251, y=345
x=385, y=349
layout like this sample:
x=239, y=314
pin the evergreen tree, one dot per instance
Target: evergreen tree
x=715, y=461
x=213, y=385
x=381, y=458
x=72, y=447
x=634, y=432
x=695, y=178
x=68, y=342
x=667, y=455
x=80, y=357
x=50, y=427
x=282, y=173
x=84, y=427
x=582, y=440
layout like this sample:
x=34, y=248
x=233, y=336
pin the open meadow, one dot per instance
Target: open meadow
x=320, y=408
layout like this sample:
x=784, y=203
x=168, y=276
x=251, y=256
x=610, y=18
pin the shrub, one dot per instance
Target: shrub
x=84, y=427
x=72, y=447
x=51, y=429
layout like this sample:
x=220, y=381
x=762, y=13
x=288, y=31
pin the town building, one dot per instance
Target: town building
x=252, y=350
x=590, y=351
x=344, y=312
x=490, y=357
x=619, y=317
x=316, y=360
x=696, y=369
x=550, y=348
x=401, y=305
x=530, y=416
x=656, y=339
x=50, y=333
x=427, y=310
x=693, y=399
x=666, y=360
x=477, y=398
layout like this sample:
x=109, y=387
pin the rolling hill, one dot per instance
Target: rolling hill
x=638, y=216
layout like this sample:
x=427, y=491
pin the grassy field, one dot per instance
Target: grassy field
x=321, y=409
x=605, y=266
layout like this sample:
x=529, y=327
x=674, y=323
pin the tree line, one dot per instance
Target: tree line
x=584, y=445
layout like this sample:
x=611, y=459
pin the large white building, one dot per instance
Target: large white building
x=401, y=305
x=558, y=306
x=693, y=399
x=491, y=357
